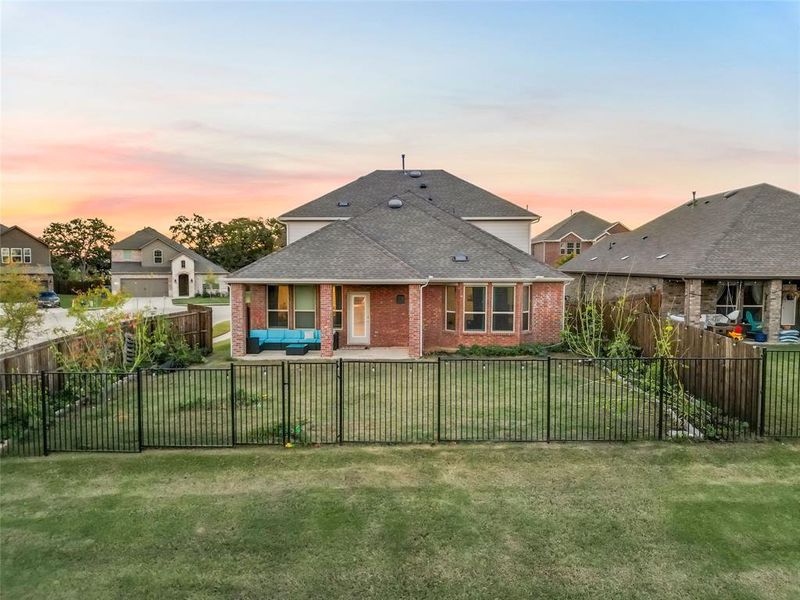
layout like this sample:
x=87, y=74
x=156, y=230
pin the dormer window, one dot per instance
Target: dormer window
x=158, y=257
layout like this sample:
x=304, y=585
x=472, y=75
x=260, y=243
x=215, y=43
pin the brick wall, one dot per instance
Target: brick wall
x=550, y=252
x=388, y=320
x=413, y=320
x=258, y=307
x=238, y=320
x=325, y=319
x=546, y=319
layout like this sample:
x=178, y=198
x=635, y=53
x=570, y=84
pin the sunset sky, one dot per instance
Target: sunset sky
x=139, y=112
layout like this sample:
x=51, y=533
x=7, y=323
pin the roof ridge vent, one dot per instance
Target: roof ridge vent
x=460, y=257
x=729, y=194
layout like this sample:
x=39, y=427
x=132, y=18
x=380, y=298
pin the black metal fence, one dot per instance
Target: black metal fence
x=447, y=400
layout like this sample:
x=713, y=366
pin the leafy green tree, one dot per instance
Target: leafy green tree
x=19, y=314
x=84, y=243
x=233, y=244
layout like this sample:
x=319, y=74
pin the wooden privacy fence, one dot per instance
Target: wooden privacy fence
x=194, y=325
x=731, y=381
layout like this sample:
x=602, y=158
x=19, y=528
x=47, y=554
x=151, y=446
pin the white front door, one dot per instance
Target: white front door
x=358, y=318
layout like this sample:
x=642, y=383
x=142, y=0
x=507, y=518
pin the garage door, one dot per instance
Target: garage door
x=142, y=288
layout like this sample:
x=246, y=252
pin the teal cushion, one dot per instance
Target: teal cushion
x=293, y=334
x=275, y=334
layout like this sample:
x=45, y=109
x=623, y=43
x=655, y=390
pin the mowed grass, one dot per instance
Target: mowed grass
x=220, y=328
x=395, y=401
x=476, y=521
x=782, y=409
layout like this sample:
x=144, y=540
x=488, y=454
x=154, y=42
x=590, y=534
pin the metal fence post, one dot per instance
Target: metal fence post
x=43, y=393
x=549, y=366
x=340, y=369
x=233, y=404
x=139, y=407
x=661, y=398
x=438, y=399
x=762, y=409
x=284, y=384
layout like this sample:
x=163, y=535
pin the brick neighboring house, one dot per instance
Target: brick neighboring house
x=732, y=251
x=148, y=263
x=575, y=234
x=27, y=254
x=404, y=260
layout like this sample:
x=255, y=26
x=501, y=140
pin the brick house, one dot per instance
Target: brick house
x=421, y=261
x=575, y=234
x=732, y=252
x=26, y=254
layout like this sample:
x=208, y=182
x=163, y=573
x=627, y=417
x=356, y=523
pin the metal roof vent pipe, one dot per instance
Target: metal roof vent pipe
x=395, y=202
x=415, y=174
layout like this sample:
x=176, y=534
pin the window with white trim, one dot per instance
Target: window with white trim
x=450, y=307
x=158, y=256
x=474, y=308
x=26, y=256
x=570, y=247
x=278, y=306
x=16, y=255
x=305, y=307
x=337, y=307
x=6, y=255
x=526, y=307
x=502, y=308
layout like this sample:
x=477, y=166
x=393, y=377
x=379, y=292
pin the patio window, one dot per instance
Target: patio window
x=337, y=307
x=503, y=308
x=727, y=297
x=450, y=307
x=278, y=306
x=474, y=308
x=526, y=307
x=6, y=256
x=752, y=300
x=158, y=257
x=305, y=307
x=16, y=255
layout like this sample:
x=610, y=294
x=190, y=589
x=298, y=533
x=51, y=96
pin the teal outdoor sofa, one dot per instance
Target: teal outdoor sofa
x=278, y=339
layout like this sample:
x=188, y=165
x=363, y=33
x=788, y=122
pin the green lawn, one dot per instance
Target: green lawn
x=578, y=521
x=66, y=300
x=220, y=328
x=201, y=300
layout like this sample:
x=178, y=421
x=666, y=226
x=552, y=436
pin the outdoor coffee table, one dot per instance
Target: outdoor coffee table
x=296, y=349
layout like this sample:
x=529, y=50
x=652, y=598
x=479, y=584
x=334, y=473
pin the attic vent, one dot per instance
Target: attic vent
x=727, y=195
x=460, y=257
x=395, y=202
x=626, y=257
x=423, y=186
x=644, y=237
x=342, y=203
x=415, y=174
x=593, y=258
x=660, y=256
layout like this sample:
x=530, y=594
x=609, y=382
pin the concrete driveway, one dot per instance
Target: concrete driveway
x=57, y=322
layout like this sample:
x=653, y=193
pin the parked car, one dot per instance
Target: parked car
x=48, y=300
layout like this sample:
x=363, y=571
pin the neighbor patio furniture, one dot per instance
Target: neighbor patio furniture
x=296, y=349
x=737, y=333
x=751, y=322
x=253, y=345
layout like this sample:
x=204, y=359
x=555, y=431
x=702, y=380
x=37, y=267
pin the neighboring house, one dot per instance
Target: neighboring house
x=149, y=263
x=418, y=260
x=734, y=251
x=27, y=254
x=574, y=235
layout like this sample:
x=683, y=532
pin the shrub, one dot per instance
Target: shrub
x=500, y=351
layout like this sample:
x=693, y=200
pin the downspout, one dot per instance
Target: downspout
x=422, y=287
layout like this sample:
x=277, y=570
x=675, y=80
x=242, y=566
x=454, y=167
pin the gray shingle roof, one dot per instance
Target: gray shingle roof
x=406, y=244
x=753, y=233
x=583, y=224
x=448, y=192
x=141, y=238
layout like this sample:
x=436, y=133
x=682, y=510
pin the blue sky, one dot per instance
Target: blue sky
x=137, y=112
